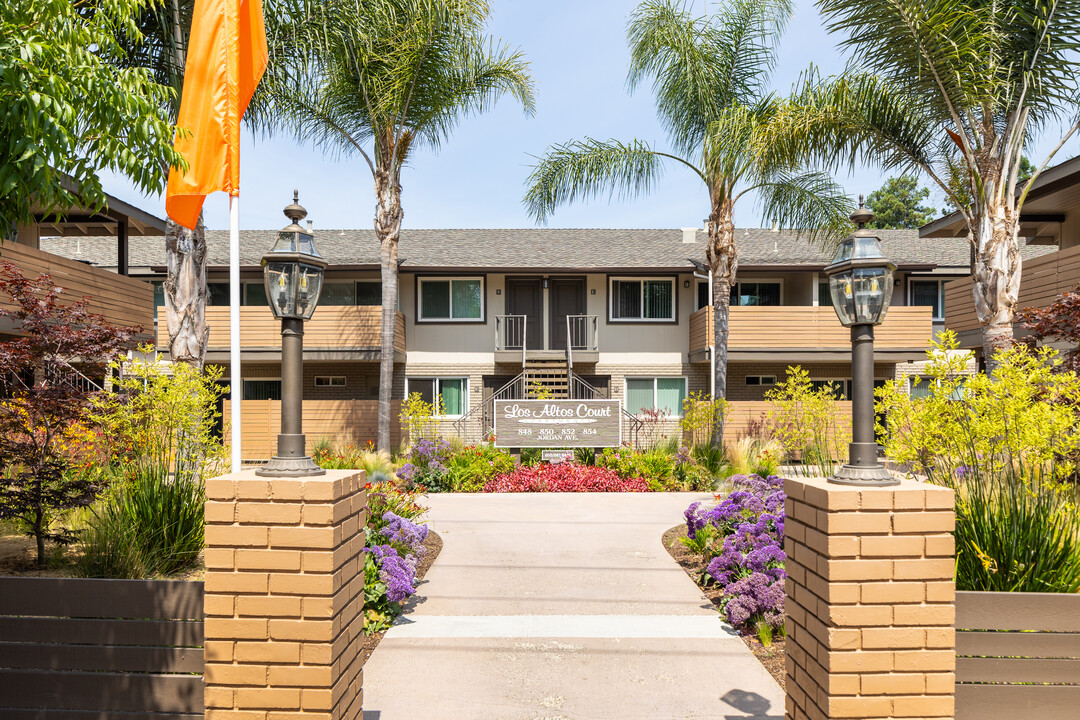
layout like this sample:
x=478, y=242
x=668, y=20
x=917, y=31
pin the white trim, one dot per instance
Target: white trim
x=654, y=378
x=436, y=390
x=642, y=279
x=449, y=279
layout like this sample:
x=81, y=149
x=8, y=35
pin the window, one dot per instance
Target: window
x=763, y=380
x=928, y=293
x=644, y=299
x=262, y=389
x=841, y=389
x=217, y=293
x=338, y=293
x=254, y=295
x=703, y=299
x=159, y=293
x=755, y=293
x=452, y=299
x=920, y=386
x=661, y=393
x=824, y=299
x=329, y=381
x=454, y=393
x=369, y=292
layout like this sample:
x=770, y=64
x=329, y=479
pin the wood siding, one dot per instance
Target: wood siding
x=120, y=300
x=1041, y=280
x=330, y=328
x=809, y=328
x=346, y=422
x=77, y=647
x=1004, y=639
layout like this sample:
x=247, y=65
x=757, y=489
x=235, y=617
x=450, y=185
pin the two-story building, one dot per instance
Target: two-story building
x=487, y=313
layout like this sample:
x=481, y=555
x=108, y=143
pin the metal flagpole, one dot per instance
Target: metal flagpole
x=236, y=381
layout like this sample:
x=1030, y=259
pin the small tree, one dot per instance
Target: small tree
x=1059, y=321
x=39, y=400
x=807, y=421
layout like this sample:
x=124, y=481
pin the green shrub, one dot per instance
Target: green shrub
x=150, y=523
x=807, y=422
x=472, y=467
x=1007, y=445
x=700, y=414
x=713, y=459
x=753, y=456
x=660, y=469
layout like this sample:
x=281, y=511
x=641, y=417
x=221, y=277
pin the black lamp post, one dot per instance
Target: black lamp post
x=861, y=283
x=293, y=277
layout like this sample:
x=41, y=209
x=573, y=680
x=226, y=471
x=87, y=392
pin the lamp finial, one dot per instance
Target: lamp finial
x=862, y=215
x=295, y=212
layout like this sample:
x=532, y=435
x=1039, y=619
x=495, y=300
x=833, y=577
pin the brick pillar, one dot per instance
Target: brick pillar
x=284, y=596
x=870, y=601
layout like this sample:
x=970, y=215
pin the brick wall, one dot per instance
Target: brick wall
x=737, y=389
x=870, y=601
x=284, y=596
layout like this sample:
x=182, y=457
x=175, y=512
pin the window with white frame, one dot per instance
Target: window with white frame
x=337, y=381
x=762, y=380
x=928, y=293
x=454, y=392
x=451, y=299
x=655, y=393
x=642, y=299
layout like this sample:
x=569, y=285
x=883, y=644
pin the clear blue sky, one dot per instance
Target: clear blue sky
x=579, y=59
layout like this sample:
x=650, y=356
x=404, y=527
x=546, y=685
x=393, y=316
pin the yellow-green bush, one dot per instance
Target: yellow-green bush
x=807, y=422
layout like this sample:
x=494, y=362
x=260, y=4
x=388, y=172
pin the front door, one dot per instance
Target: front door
x=567, y=298
x=524, y=296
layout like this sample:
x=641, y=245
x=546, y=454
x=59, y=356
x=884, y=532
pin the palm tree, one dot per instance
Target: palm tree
x=376, y=78
x=954, y=89
x=162, y=49
x=710, y=76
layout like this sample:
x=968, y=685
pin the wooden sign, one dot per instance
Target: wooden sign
x=558, y=423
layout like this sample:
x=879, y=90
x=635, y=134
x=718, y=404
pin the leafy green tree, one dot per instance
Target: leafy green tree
x=897, y=204
x=376, y=78
x=710, y=76
x=64, y=110
x=954, y=89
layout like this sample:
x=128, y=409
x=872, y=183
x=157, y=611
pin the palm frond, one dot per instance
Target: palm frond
x=811, y=203
x=586, y=169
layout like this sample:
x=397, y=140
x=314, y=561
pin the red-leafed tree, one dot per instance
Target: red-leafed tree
x=41, y=396
x=1057, y=322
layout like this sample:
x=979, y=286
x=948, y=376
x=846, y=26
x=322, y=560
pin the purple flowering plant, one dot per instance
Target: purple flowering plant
x=742, y=540
x=395, y=541
x=426, y=466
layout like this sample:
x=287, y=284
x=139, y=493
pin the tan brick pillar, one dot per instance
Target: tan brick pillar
x=284, y=596
x=870, y=601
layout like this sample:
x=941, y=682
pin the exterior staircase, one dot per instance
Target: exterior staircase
x=547, y=379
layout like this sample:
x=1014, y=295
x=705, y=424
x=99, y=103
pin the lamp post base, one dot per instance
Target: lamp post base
x=290, y=467
x=865, y=475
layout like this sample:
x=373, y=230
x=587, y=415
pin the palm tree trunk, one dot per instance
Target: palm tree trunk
x=996, y=276
x=185, y=294
x=388, y=215
x=723, y=259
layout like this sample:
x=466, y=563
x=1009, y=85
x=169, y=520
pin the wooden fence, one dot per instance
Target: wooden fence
x=1017, y=653
x=92, y=648
x=346, y=422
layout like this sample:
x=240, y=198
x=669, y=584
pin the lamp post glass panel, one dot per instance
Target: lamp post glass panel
x=293, y=277
x=860, y=284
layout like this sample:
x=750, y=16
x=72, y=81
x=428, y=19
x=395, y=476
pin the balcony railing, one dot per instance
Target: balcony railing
x=121, y=300
x=808, y=328
x=1043, y=279
x=510, y=332
x=582, y=333
x=333, y=327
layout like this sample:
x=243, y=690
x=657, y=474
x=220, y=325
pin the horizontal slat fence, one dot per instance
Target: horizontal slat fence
x=121, y=300
x=808, y=327
x=1017, y=652
x=79, y=648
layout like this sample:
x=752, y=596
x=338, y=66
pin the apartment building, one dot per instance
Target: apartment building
x=486, y=313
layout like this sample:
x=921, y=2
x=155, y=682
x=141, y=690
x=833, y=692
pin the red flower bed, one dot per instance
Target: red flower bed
x=567, y=477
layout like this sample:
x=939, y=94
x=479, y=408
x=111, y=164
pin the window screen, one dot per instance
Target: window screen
x=643, y=299
x=217, y=293
x=424, y=386
x=453, y=395
x=368, y=293
x=452, y=299
x=338, y=293
x=639, y=395
x=255, y=295
x=262, y=389
x=159, y=293
x=927, y=294
x=751, y=294
x=466, y=300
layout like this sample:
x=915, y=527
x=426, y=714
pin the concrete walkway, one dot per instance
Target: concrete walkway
x=562, y=606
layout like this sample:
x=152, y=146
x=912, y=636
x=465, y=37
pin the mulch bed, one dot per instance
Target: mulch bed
x=432, y=546
x=772, y=657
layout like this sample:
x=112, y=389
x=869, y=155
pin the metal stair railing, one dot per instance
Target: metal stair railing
x=580, y=389
x=486, y=410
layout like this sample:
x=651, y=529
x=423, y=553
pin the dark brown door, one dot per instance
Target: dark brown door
x=567, y=298
x=524, y=296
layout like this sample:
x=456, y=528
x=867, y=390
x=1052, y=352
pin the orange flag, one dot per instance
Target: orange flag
x=226, y=58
